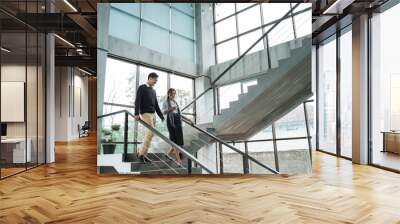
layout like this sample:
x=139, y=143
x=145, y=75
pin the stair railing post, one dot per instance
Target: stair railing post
x=126, y=137
x=221, y=159
x=308, y=130
x=245, y=160
x=275, y=147
x=245, y=171
x=189, y=168
x=268, y=52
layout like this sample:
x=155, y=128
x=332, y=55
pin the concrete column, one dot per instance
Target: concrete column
x=102, y=50
x=205, y=104
x=205, y=55
x=360, y=90
x=50, y=99
x=204, y=22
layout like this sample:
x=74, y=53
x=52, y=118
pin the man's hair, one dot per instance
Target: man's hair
x=152, y=75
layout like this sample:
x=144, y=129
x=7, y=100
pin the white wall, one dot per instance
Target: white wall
x=12, y=73
x=79, y=117
x=70, y=83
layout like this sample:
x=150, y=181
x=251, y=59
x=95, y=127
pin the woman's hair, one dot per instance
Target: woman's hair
x=170, y=90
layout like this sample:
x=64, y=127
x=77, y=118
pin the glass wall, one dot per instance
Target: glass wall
x=334, y=86
x=261, y=150
x=282, y=146
x=167, y=28
x=346, y=92
x=22, y=95
x=239, y=25
x=327, y=95
x=292, y=142
x=230, y=93
x=385, y=89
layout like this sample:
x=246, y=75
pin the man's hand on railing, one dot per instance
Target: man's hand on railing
x=137, y=117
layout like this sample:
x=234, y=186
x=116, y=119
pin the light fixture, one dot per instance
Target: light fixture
x=84, y=71
x=5, y=50
x=70, y=5
x=64, y=40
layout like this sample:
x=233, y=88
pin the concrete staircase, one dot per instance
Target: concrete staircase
x=278, y=91
x=195, y=140
x=160, y=165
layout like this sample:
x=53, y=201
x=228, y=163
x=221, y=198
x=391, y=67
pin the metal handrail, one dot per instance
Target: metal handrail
x=155, y=131
x=231, y=147
x=133, y=106
x=241, y=56
x=111, y=114
x=210, y=135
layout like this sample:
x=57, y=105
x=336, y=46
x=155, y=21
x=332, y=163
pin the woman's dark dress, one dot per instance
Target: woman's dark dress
x=174, y=125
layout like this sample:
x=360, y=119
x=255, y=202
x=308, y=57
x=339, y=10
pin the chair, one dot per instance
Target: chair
x=84, y=130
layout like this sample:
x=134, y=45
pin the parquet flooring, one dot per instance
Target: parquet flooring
x=9, y=171
x=70, y=191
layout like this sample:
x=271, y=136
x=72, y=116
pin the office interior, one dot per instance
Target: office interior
x=49, y=89
x=32, y=61
x=45, y=87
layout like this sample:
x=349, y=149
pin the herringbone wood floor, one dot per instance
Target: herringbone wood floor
x=70, y=191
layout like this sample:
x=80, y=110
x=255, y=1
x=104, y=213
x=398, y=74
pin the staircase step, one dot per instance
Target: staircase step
x=172, y=172
x=161, y=166
x=204, y=137
x=132, y=157
x=175, y=171
x=151, y=172
x=139, y=167
x=198, y=142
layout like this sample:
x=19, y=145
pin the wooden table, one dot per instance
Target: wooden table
x=391, y=141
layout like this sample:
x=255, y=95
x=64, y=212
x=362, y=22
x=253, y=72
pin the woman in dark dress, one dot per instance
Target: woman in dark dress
x=174, y=122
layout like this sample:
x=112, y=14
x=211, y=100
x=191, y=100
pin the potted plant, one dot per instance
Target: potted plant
x=115, y=128
x=108, y=146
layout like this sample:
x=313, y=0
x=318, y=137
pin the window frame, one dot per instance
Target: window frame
x=262, y=27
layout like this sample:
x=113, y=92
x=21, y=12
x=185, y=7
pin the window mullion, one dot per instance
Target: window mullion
x=237, y=30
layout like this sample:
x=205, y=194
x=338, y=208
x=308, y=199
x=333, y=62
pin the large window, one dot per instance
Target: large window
x=334, y=87
x=230, y=93
x=239, y=25
x=121, y=82
x=283, y=146
x=167, y=28
x=184, y=90
x=346, y=93
x=385, y=89
x=327, y=95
